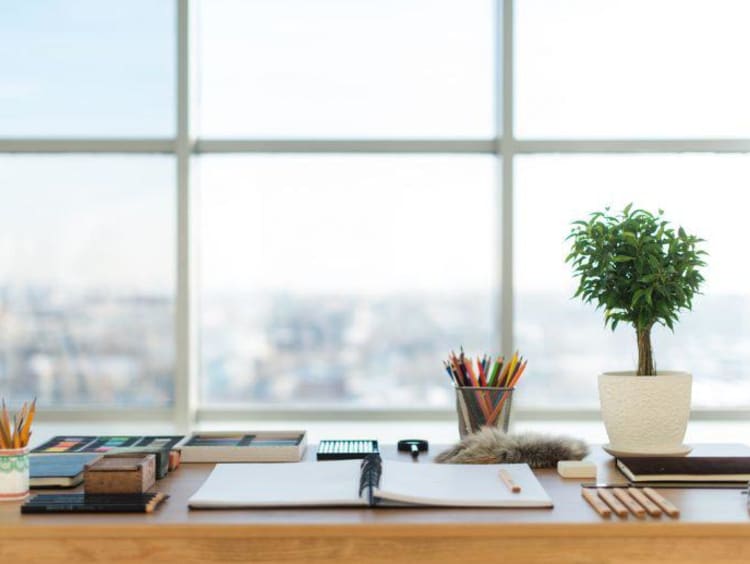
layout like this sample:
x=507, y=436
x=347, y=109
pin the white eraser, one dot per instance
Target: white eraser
x=576, y=469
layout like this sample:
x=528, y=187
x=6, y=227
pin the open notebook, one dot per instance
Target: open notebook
x=368, y=482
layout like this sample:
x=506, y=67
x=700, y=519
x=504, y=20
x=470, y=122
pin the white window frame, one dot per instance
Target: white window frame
x=186, y=411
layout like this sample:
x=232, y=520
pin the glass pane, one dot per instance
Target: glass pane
x=343, y=279
x=86, y=280
x=643, y=69
x=87, y=68
x=391, y=68
x=565, y=340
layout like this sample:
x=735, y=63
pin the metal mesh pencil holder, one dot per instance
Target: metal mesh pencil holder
x=479, y=407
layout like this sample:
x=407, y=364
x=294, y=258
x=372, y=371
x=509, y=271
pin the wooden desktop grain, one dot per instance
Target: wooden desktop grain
x=714, y=526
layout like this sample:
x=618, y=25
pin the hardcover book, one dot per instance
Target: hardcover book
x=54, y=471
x=686, y=469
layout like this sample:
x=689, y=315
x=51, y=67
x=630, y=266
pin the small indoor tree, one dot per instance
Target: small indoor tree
x=637, y=268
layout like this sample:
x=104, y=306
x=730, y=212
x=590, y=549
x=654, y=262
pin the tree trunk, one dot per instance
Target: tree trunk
x=645, y=354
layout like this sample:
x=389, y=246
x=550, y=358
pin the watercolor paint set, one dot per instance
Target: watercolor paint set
x=253, y=446
x=104, y=444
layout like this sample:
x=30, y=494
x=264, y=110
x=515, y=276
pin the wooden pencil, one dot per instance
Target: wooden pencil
x=509, y=482
x=5, y=431
x=635, y=507
x=27, y=426
x=652, y=509
x=16, y=430
x=667, y=506
x=619, y=509
x=599, y=506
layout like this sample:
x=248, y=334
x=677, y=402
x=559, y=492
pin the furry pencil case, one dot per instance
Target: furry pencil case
x=491, y=446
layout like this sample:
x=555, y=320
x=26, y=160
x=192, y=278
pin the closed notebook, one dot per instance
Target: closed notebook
x=352, y=483
x=686, y=469
x=58, y=470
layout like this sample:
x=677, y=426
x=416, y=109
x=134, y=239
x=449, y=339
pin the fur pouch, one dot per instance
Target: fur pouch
x=492, y=446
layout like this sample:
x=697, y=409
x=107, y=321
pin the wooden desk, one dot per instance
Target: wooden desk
x=714, y=526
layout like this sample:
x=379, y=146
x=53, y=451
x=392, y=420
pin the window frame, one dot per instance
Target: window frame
x=186, y=412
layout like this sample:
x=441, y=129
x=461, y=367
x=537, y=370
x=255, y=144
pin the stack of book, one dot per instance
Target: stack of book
x=732, y=470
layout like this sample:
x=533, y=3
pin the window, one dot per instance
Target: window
x=87, y=68
x=304, y=204
x=635, y=69
x=87, y=293
x=318, y=288
x=331, y=69
x=707, y=195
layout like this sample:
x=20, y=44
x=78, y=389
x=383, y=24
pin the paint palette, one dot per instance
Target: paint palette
x=253, y=446
x=104, y=444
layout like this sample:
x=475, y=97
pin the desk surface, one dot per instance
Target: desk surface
x=707, y=516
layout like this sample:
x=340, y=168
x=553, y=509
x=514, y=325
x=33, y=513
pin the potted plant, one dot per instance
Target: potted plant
x=643, y=272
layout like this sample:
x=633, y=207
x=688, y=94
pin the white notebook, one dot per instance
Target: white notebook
x=337, y=483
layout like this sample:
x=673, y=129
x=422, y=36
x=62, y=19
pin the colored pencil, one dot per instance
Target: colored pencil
x=495, y=370
x=16, y=435
x=486, y=374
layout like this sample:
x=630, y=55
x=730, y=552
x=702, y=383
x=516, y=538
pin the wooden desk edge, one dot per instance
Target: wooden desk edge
x=333, y=530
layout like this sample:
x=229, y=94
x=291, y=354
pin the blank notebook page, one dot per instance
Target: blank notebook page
x=279, y=485
x=466, y=485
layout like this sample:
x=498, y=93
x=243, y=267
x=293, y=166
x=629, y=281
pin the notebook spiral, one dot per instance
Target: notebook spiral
x=369, y=476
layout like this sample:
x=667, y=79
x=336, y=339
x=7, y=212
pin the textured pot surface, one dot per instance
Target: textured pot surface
x=645, y=413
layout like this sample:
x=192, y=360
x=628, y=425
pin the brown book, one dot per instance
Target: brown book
x=686, y=469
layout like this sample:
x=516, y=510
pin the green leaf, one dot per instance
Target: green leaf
x=634, y=266
x=636, y=296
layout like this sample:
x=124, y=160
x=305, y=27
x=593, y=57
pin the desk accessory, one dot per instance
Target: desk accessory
x=650, y=507
x=484, y=394
x=52, y=470
x=668, y=485
x=175, y=457
x=492, y=446
x=250, y=446
x=667, y=506
x=161, y=446
x=576, y=468
x=14, y=451
x=620, y=261
x=678, y=450
x=353, y=483
x=630, y=502
x=508, y=481
x=413, y=446
x=94, y=503
x=162, y=452
x=346, y=449
x=594, y=501
x=120, y=474
x=618, y=508
x=637, y=501
x=65, y=444
x=705, y=469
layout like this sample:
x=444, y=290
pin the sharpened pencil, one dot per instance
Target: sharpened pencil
x=16, y=430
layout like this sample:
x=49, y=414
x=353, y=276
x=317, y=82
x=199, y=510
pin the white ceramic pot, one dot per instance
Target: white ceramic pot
x=14, y=474
x=645, y=414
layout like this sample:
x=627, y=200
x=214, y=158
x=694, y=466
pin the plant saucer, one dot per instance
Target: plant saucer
x=681, y=450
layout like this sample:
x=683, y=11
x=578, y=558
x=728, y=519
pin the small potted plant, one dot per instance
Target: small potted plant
x=641, y=271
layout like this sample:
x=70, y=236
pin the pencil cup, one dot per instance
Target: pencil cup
x=14, y=474
x=483, y=407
